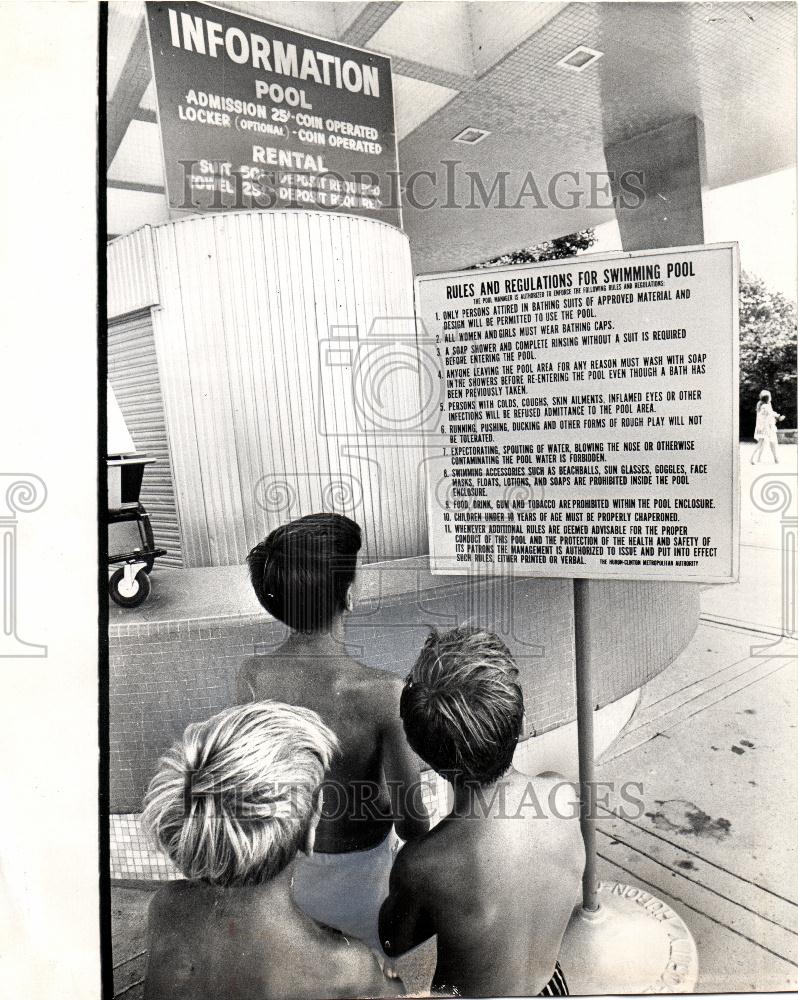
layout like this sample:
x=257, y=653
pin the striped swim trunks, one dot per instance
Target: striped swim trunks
x=556, y=986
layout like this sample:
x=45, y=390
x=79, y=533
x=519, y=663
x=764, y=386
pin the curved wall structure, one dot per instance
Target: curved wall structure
x=290, y=379
x=175, y=659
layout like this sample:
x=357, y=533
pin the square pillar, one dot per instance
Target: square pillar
x=669, y=166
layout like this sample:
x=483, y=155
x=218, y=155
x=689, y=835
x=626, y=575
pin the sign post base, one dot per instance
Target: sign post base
x=633, y=943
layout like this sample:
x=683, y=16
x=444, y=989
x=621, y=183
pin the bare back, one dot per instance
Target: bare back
x=207, y=942
x=361, y=706
x=498, y=887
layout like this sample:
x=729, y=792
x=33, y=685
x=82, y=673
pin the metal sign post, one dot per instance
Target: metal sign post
x=587, y=428
x=584, y=730
x=621, y=939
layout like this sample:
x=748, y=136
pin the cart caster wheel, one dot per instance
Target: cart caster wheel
x=149, y=566
x=129, y=597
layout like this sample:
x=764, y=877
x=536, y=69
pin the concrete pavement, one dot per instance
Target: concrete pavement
x=713, y=744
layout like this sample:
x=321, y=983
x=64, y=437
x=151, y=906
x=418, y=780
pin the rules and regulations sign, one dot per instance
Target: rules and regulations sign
x=588, y=419
x=253, y=115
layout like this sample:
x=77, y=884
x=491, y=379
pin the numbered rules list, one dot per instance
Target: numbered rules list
x=588, y=416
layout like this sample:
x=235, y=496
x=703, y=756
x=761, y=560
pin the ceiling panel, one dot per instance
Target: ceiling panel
x=730, y=64
x=307, y=15
x=415, y=101
x=128, y=210
x=123, y=23
x=346, y=13
x=138, y=159
x=437, y=34
x=497, y=27
x=148, y=101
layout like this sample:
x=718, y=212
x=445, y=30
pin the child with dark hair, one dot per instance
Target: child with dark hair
x=303, y=574
x=497, y=887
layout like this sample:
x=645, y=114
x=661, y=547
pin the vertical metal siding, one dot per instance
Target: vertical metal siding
x=133, y=373
x=176, y=386
x=261, y=429
x=132, y=282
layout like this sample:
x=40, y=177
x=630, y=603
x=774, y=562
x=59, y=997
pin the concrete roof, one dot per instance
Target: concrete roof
x=493, y=66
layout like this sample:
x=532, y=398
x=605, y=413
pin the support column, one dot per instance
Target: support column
x=669, y=165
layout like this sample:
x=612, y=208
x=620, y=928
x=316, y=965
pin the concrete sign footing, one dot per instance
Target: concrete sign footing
x=633, y=943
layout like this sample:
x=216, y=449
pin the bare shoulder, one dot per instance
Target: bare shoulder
x=416, y=863
x=254, y=663
x=248, y=667
x=164, y=902
x=559, y=798
x=561, y=792
x=253, y=666
x=156, y=909
x=245, y=680
x=380, y=688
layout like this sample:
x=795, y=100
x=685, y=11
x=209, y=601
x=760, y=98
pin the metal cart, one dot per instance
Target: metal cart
x=129, y=585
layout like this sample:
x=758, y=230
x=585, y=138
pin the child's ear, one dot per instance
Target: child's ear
x=310, y=833
x=349, y=599
x=310, y=839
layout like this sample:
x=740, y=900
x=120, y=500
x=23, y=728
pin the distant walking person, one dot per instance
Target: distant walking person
x=498, y=878
x=765, y=432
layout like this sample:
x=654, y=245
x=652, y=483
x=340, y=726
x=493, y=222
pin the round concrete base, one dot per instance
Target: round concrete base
x=634, y=943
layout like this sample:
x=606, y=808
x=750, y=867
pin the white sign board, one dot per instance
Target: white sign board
x=589, y=417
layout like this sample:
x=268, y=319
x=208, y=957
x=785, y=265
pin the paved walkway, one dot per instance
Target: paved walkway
x=712, y=743
x=713, y=746
x=756, y=601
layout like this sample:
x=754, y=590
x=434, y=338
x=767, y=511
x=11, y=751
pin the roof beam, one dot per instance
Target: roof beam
x=135, y=186
x=146, y=115
x=431, y=74
x=368, y=22
x=133, y=81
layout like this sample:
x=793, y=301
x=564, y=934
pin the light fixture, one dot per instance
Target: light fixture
x=580, y=58
x=471, y=136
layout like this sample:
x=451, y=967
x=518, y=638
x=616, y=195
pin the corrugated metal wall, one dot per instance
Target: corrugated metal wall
x=133, y=373
x=282, y=398
x=132, y=282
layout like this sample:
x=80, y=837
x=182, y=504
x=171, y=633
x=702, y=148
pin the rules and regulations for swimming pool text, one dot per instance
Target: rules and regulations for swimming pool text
x=588, y=419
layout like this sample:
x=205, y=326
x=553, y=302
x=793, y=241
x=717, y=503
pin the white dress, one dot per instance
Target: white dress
x=766, y=425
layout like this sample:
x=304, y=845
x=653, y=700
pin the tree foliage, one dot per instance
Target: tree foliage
x=767, y=330
x=767, y=351
x=563, y=246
